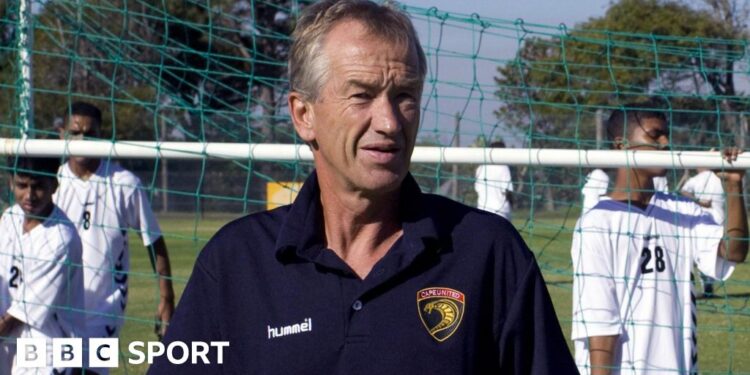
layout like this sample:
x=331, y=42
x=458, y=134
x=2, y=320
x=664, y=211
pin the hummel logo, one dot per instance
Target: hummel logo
x=305, y=326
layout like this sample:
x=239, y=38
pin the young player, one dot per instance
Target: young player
x=104, y=200
x=494, y=187
x=633, y=304
x=40, y=263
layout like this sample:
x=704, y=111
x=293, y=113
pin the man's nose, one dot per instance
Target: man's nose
x=385, y=117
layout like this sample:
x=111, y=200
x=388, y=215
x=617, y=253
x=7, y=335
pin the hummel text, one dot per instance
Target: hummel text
x=305, y=326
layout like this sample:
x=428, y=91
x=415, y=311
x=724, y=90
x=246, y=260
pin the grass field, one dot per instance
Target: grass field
x=724, y=321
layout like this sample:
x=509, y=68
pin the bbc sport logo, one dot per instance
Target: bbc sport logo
x=103, y=353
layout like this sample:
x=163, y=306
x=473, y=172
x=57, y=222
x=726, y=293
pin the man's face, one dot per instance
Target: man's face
x=650, y=134
x=364, y=122
x=33, y=193
x=79, y=127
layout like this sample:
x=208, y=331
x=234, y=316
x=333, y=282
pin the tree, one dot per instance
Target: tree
x=638, y=49
x=204, y=70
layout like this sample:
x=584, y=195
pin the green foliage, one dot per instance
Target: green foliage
x=552, y=90
x=649, y=48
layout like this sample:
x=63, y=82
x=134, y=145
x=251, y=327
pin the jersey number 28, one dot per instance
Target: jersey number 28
x=646, y=264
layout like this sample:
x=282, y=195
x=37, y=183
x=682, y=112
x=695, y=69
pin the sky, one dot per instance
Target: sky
x=552, y=12
x=497, y=47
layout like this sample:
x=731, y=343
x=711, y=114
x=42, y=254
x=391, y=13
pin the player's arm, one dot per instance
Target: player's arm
x=736, y=247
x=160, y=262
x=8, y=323
x=602, y=353
x=689, y=195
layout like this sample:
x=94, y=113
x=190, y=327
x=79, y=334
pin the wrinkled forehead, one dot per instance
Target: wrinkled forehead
x=351, y=45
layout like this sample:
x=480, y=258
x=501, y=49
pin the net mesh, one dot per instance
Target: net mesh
x=198, y=71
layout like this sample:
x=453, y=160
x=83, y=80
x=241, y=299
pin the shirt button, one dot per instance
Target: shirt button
x=357, y=305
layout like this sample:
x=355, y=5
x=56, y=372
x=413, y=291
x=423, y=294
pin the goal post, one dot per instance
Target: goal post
x=532, y=157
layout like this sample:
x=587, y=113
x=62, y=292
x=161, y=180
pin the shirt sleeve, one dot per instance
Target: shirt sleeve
x=43, y=279
x=530, y=338
x=596, y=184
x=596, y=311
x=705, y=237
x=689, y=186
x=141, y=217
x=5, y=256
x=506, y=181
x=718, y=200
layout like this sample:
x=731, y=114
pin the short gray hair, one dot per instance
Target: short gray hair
x=307, y=67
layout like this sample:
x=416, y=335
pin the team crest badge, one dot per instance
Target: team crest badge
x=441, y=310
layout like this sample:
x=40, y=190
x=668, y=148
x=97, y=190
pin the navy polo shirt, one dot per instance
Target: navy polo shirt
x=458, y=293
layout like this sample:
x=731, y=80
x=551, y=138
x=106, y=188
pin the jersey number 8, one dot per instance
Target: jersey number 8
x=86, y=219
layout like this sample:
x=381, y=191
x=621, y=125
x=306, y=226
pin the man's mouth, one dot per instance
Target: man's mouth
x=382, y=152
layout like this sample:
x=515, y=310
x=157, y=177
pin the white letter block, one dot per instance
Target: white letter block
x=67, y=352
x=103, y=353
x=31, y=353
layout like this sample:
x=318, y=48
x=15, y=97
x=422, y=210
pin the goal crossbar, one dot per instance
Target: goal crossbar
x=301, y=152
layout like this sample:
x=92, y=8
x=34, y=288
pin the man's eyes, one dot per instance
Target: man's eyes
x=361, y=95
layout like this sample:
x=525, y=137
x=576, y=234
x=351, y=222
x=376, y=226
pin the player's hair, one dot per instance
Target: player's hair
x=623, y=120
x=85, y=109
x=307, y=65
x=497, y=144
x=34, y=167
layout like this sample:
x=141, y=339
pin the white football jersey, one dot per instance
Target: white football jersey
x=103, y=208
x=491, y=184
x=6, y=344
x=42, y=271
x=595, y=187
x=706, y=186
x=632, y=278
x=661, y=184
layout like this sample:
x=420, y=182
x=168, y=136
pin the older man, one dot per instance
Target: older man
x=364, y=274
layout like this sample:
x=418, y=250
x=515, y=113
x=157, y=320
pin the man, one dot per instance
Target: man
x=633, y=305
x=104, y=200
x=597, y=183
x=40, y=263
x=705, y=188
x=363, y=273
x=494, y=187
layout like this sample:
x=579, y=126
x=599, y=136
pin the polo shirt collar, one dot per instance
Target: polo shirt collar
x=302, y=231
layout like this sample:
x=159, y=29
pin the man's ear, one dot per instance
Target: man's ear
x=302, y=115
